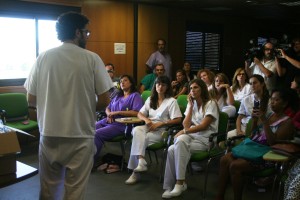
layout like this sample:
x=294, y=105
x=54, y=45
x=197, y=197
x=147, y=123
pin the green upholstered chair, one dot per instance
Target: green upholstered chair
x=214, y=150
x=15, y=107
x=182, y=102
x=145, y=94
x=232, y=120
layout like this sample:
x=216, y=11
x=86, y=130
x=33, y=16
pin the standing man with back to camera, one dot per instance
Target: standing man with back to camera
x=160, y=57
x=63, y=85
x=265, y=66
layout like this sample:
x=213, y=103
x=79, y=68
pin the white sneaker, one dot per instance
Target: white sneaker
x=142, y=166
x=178, y=189
x=132, y=179
x=167, y=194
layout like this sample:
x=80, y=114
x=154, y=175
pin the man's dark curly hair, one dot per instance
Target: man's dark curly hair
x=67, y=23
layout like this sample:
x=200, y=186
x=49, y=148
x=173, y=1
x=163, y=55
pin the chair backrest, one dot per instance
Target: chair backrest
x=145, y=94
x=223, y=125
x=15, y=106
x=248, y=128
x=182, y=102
x=237, y=105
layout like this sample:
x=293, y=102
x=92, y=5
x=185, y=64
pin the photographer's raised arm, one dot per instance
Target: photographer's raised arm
x=294, y=62
x=247, y=68
x=280, y=70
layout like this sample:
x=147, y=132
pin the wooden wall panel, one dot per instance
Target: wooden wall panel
x=152, y=24
x=13, y=89
x=111, y=22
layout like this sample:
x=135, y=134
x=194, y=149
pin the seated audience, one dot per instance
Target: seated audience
x=240, y=87
x=126, y=103
x=148, y=80
x=180, y=85
x=222, y=93
x=201, y=119
x=267, y=130
x=189, y=74
x=207, y=76
x=159, y=111
x=260, y=94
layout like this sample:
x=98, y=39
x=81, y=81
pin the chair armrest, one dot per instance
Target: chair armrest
x=212, y=141
x=172, y=130
x=230, y=141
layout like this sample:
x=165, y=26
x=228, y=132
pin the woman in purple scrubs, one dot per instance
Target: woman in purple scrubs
x=126, y=103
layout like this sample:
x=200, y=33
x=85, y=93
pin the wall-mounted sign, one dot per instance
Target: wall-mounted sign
x=120, y=48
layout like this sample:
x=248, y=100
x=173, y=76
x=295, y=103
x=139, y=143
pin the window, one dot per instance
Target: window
x=203, y=47
x=20, y=47
x=27, y=30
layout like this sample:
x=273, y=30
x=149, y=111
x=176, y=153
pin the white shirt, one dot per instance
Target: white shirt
x=65, y=81
x=199, y=114
x=246, y=108
x=240, y=94
x=169, y=109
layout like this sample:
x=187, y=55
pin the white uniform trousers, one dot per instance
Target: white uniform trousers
x=233, y=132
x=65, y=167
x=178, y=157
x=230, y=110
x=140, y=141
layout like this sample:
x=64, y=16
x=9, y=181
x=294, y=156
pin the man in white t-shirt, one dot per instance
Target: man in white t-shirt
x=266, y=67
x=63, y=85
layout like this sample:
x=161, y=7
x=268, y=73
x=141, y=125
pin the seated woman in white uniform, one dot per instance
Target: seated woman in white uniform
x=260, y=94
x=201, y=119
x=159, y=111
x=222, y=93
x=240, y=87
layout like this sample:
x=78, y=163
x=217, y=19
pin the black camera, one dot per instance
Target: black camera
x=254, y=51
x=283, y=44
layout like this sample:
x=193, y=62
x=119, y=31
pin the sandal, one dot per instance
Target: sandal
x=102, y=167
x=112, y=168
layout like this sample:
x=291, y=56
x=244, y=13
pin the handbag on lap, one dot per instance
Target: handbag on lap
x=250, y=150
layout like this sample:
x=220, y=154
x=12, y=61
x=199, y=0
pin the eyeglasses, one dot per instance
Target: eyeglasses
x=268, y=49
x=241, y=74
x=86, y=31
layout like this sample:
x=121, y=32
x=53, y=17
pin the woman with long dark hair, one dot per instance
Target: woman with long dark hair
x=260, y=95
x=180, y=85
x=159, y=111
x=201, y=120
x=126, y=103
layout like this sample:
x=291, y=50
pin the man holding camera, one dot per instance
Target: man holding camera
x=288, y=66
x=266, y=67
